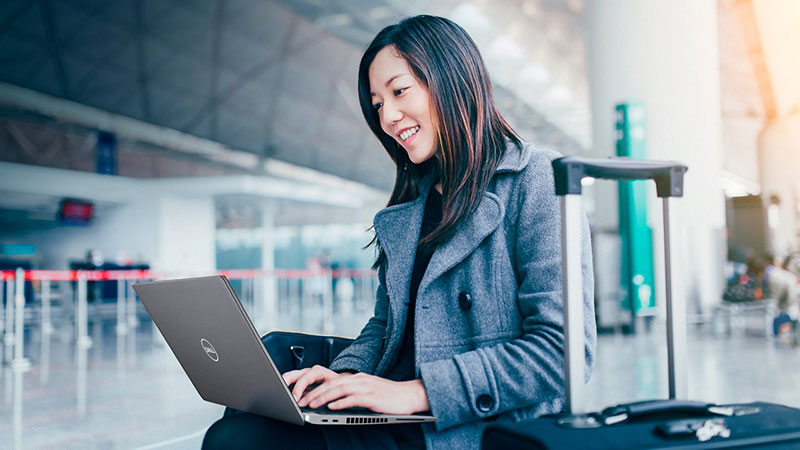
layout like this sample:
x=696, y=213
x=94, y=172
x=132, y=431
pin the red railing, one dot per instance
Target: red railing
x=131, y=275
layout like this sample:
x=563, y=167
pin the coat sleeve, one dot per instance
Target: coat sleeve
x=364, y=353
x=527, y=371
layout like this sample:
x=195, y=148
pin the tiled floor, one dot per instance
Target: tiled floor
x=131, y=393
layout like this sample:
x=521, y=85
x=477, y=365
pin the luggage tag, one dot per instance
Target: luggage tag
x=298, y=352
x=702, y=429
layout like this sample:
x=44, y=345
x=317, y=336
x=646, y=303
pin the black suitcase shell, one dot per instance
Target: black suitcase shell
x=773, y=427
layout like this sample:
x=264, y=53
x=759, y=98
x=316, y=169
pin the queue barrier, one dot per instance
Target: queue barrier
x=287, y=285
x=146, y=275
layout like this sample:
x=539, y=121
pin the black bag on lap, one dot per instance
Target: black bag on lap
x=291, y=351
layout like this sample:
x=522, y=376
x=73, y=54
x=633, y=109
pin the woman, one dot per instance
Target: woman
x=468, y=315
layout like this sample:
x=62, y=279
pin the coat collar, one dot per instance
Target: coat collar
x=515, y=158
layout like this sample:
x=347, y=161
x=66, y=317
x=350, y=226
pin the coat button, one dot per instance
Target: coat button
x=465, y=301
x=485, y=403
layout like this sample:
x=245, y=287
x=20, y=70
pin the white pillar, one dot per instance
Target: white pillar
x=20, y=363
x=186, y=228
x=267, y=302
x=664, y=53
x=779, y=166
x=8, y=336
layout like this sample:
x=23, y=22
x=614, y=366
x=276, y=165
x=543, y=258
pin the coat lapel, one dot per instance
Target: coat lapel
x=481, y=223
x=397, y=228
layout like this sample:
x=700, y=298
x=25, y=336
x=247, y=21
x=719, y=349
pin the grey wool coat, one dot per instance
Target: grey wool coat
x=488, y=335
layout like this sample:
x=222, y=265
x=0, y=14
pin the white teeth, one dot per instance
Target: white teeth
x=408, y=133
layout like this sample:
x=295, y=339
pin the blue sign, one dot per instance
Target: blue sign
x=106, y=151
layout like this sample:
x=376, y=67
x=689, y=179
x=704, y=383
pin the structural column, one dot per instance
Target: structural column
x=779, y=164
x=186, y=227
x=776, y=22
x=664, y=53
x=267, y=300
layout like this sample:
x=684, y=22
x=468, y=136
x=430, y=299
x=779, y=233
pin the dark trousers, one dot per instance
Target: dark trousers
x=250, y=431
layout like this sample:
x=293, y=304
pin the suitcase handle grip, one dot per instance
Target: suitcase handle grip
x=633, y=411
x=570, y=170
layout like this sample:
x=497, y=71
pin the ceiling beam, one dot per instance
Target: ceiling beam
x=141, y=68
x=272, y=97
x=88, y=15
x=5, y=26
x=20, y=102
x=215, y=66
x=324, y=115
x=103, y=62
x=242, y=80
x=54, y=47
x=745, y=11
x=65, y=111
x=107, y=60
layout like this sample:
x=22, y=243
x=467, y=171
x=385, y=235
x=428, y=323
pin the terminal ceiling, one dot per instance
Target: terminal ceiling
x=276, y=79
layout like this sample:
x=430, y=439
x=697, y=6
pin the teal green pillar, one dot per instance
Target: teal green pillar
x=637, y=238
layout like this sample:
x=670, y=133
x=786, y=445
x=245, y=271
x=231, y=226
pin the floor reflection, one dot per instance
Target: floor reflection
x=18, y=408
x=110, y=380
x=123, y=388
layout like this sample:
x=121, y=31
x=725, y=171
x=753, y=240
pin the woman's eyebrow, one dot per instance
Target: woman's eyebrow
x=392, y=79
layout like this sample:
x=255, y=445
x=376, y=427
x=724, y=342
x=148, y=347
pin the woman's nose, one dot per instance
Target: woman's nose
x=391, y=115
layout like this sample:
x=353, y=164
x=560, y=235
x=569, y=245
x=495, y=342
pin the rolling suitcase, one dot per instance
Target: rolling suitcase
x=672, y=423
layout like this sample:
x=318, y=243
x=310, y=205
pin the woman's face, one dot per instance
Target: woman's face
x=403, y=105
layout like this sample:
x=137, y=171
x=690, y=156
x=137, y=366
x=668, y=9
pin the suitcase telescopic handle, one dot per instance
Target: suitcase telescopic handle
x=570, y=170
x=568, y=173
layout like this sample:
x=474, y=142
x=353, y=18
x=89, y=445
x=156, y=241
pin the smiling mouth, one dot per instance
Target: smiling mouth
x=406, y=135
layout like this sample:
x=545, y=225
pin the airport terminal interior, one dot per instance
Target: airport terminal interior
x=149, y=140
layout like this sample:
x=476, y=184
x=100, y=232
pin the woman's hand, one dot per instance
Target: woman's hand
x=304, y=378
x=341, y=391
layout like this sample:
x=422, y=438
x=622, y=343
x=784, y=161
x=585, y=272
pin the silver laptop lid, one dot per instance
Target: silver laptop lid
x=213, y=339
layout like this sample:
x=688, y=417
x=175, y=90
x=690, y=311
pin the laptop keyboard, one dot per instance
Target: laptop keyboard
x=341, y=412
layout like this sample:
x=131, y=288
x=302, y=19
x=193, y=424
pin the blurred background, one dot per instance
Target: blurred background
x=146, y=139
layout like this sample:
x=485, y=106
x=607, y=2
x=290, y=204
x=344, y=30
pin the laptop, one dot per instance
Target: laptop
x=215, y=342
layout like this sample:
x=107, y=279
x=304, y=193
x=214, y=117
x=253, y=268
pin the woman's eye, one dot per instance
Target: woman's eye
x=377, y=106
x=399, y=91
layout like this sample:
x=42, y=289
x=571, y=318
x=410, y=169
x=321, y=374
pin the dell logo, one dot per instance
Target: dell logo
x=209, y=349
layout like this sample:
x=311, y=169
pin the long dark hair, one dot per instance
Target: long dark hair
x=471, y=134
